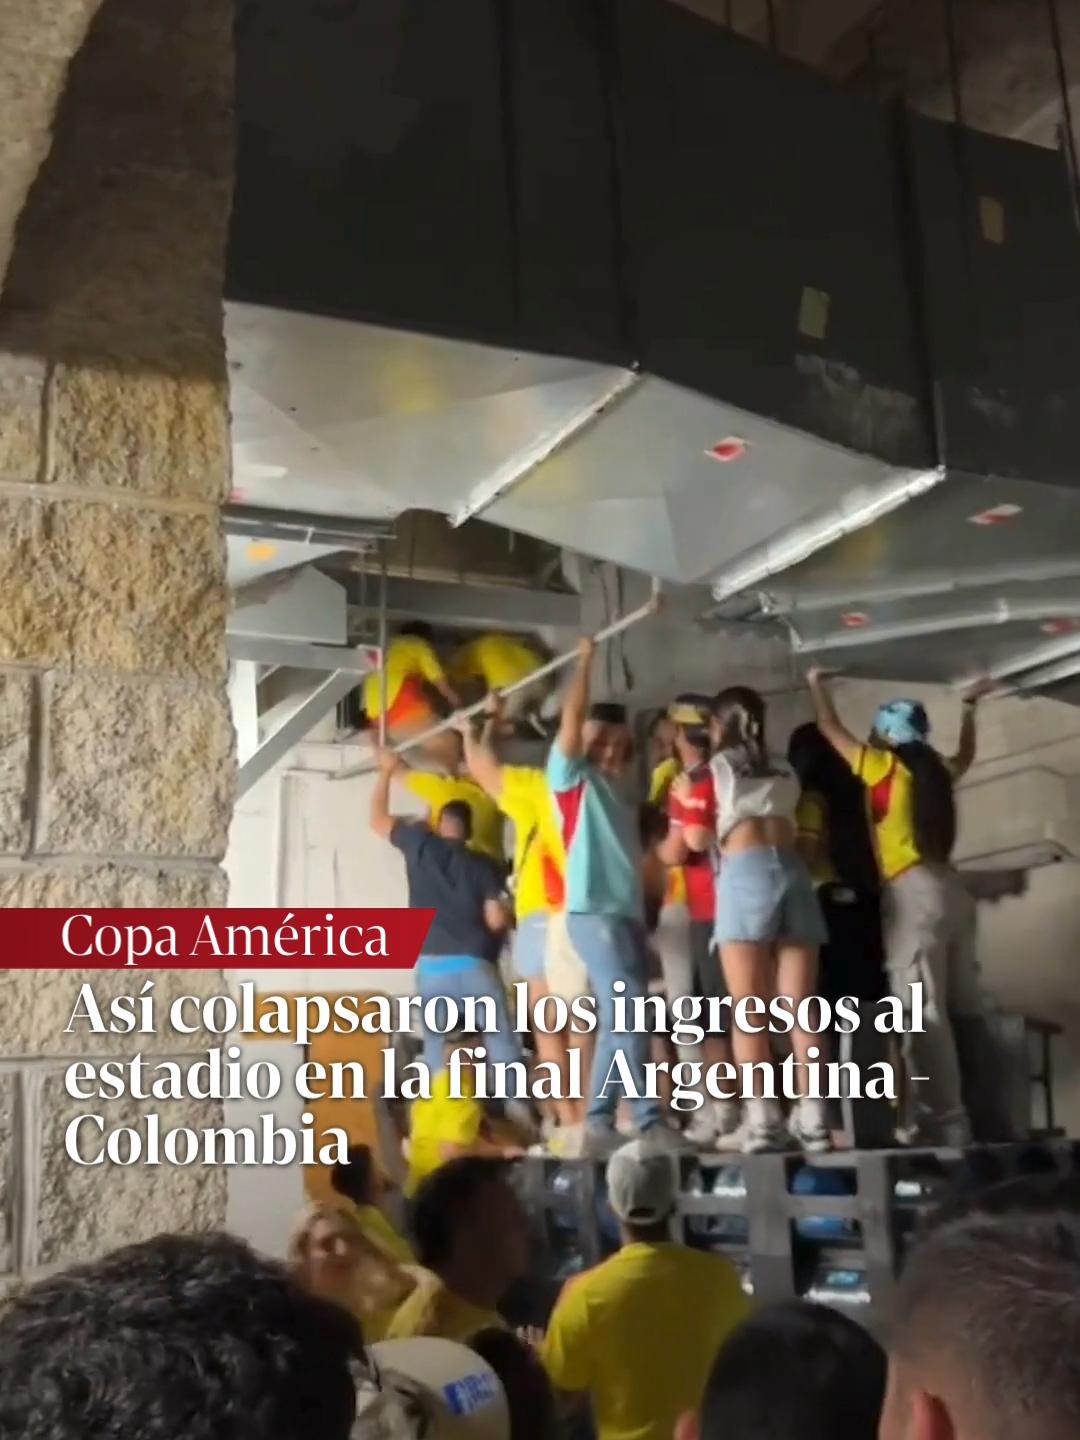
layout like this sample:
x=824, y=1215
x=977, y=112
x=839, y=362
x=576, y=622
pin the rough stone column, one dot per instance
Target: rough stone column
x=116, y=746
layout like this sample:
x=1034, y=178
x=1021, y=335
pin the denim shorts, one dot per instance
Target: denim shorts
x=765, y=896
x=530, y=946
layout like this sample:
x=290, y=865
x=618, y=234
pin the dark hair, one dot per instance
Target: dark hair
x=607, y=712
x=354, y=1177
x=739, y=713
x=995, y=1296
x=933, y=801
x=831, y=1376
x=529, y=1396
x=461, y=812
x=417, y=630
x=445, y=1198
x=179, y=1338
x=822, y=772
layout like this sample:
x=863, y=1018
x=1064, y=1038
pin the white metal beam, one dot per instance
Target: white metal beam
x=295, y=655
x=299, y=724
x=244, y=702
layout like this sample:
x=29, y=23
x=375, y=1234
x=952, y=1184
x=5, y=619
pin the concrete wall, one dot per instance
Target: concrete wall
x=116, y=747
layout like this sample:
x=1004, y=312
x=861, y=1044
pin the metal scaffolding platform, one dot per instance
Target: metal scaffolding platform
x=832, y=1228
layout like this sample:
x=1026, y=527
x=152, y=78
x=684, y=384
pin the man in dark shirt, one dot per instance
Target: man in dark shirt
x=467, y=891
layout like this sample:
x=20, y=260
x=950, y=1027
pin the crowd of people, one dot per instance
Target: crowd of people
x=741, y=875
x=200, y=1338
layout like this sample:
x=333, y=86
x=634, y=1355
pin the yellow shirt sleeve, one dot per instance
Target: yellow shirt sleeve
x=567, y=1352
x=661, y=780
x=872, y=765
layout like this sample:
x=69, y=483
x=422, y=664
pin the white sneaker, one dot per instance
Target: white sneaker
x=765, y=1129
x=727, y=1118
x=702, y=1130
x=808, y=1128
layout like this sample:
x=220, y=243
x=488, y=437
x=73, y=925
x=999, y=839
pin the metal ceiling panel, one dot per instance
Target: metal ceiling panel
x=679, y=486
x=252, y=559
x=353, y=420
x=950, y=537
x=1051, y=608
x=945, y=657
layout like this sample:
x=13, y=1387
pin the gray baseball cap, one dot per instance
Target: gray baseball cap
x=642, y=1183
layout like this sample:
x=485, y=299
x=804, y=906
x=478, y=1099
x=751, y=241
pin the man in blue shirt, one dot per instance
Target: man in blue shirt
x=467, y=891
x=604, y=899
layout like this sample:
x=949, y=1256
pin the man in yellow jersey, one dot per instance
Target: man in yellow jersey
x=637, y=1335
x=415, y=682
x=472, y=1236
x=494, y=662
x=521, y=793
x=439, y=789
x=445, y=1126
x=929, y=915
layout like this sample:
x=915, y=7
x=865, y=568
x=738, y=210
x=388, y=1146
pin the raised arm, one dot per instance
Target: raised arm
x=829, y=723
x=964, y=758
x=382, y=822
x=480, y=759
x=575, y=706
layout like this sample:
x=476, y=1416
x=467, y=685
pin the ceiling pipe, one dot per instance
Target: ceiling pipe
x=780, y=606
x=1001, y=613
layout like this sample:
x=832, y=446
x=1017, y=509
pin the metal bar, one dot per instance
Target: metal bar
x=295, y=655
x=1000, y=614
x=926, y=588
x=382, y=648
x=501, y=607
x=244, y=703
x=276, y=746
x=551, y=667
x=854, y=512
x=342, y=532
x=485, y=494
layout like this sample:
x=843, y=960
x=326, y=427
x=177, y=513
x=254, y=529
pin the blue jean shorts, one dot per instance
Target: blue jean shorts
x=766, y=896
x=530, y=946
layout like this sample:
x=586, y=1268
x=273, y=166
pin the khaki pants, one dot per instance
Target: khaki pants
x=929, y=921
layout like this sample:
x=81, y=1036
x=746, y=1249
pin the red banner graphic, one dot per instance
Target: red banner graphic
x=212, y=939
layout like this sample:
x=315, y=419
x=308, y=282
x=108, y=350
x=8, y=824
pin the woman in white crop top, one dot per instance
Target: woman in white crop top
x=769, y=926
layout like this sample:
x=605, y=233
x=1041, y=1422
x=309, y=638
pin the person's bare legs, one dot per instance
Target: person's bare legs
x=748, y=972
x=552, y=1049
x=796, y=979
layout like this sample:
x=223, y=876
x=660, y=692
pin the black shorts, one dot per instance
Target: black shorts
x=708, y=973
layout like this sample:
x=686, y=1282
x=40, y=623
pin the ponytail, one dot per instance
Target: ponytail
x=933, y=810
x=739, y=718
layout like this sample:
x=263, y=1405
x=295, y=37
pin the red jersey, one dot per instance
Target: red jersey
x=697, y=807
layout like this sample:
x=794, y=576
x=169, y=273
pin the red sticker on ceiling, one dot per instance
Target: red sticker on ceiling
x=854, y=620
x=997, y=516
x=1058, y=627
x=727, y=450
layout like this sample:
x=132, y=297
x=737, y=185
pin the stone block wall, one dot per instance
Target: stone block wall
x=116, y=744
